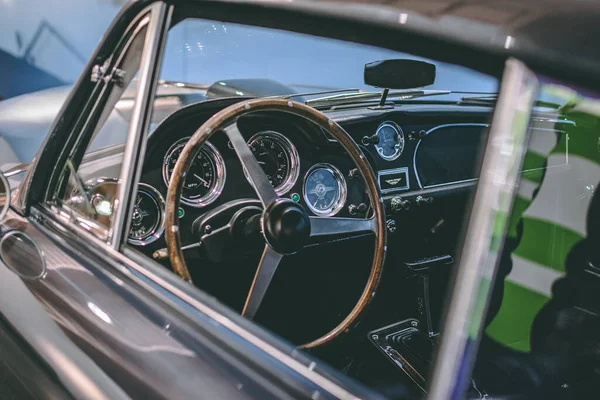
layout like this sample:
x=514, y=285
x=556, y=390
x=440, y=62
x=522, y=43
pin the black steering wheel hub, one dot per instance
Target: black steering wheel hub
x=286, y=226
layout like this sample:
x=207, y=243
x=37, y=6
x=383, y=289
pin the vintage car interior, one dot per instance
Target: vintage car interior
x=358, y=271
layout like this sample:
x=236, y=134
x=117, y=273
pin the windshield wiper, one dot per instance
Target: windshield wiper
x=398, y=95
x=491, y=100
x=289, y=96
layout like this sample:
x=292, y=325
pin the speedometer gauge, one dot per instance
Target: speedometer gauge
x=206, y=177
x=324, y=189
x=148, y=216
x=391, y=141
x=278, y=158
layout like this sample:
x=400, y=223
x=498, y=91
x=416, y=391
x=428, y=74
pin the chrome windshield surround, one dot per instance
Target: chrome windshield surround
x=292, y=154
x=160, y=227
x=220, y=177
x=398, y=147
x=484, y=239
x=343, y=190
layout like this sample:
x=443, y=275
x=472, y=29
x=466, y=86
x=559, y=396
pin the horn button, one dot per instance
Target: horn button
x=286, y=226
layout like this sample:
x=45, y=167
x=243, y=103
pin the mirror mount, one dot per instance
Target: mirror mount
x=4, y=195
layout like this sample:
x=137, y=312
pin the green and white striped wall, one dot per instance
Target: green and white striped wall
x=560, y=174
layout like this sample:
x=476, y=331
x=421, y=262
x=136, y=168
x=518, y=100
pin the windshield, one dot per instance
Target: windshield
x=205, y=52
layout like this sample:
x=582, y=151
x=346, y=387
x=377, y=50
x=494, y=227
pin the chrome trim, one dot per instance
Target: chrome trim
x=177, y=287
x=39, y=251
x=399, y=131
x=91, y=184
x=16, y=170
x=220, y=173
x=435, y=128
x=160, y=228
x=135, y=146
x=390, y=172
x=484, y=237
x=6, y=205
x=292, y=154
x=343, y=190
x=451, y=183
x=554, y=120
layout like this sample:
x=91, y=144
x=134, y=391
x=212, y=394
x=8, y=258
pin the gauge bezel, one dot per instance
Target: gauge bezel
x=221, y=173
x=343, y=190
x=292, y=154
x=158, y=198
x=400, y=133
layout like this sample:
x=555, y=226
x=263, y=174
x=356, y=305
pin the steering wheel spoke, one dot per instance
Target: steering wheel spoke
x=262, y=279
x=326, y=226
x=259, y=179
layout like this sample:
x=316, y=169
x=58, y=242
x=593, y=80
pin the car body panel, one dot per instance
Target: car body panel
x=139, y=336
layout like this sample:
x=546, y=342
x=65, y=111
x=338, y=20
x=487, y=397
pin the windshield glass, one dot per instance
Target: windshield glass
x=204, y=52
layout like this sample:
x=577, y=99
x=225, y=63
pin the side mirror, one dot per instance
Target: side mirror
x=399, y=74
x=4, y=195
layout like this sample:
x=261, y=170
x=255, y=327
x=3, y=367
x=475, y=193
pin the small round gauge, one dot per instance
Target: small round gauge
x=278, y=158
x=391, y=141
x=206, y=177
x=148, y=216
x=324, y=189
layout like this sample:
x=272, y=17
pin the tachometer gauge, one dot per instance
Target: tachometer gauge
x=148, y=216
x=391, y=141
x=205, y=179
x=324, y=189
x=278, y=158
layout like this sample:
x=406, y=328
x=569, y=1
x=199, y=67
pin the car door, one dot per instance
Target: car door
x=149, y=334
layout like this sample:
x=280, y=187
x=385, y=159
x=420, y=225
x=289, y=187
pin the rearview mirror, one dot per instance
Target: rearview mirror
x=399, y=74
x=4, y=195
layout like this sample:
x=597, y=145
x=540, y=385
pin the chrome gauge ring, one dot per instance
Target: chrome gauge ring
x=206, y=177
x=391, y=141
x=148, y=216
x=324, y=189
x=278, y=158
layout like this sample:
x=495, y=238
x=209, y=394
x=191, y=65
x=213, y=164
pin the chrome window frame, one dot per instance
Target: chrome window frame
x=135, y=146
x=484, y=238
x=157, y=17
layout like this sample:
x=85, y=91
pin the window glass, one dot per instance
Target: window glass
x=208, y=59
x=90, y=180
x=543, y=310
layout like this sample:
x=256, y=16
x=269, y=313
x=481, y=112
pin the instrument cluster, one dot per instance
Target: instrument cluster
x=320, y=186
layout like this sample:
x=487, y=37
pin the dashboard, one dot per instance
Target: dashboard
x=408, y=151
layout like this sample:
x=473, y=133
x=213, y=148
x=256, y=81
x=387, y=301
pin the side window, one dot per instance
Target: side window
x=543, y=316
x=89, y=185
x=550, y=212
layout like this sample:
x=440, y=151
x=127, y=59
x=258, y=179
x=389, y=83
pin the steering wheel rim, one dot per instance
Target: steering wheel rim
x=226, y=120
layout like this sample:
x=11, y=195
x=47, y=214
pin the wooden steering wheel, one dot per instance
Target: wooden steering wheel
x=284, y=224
